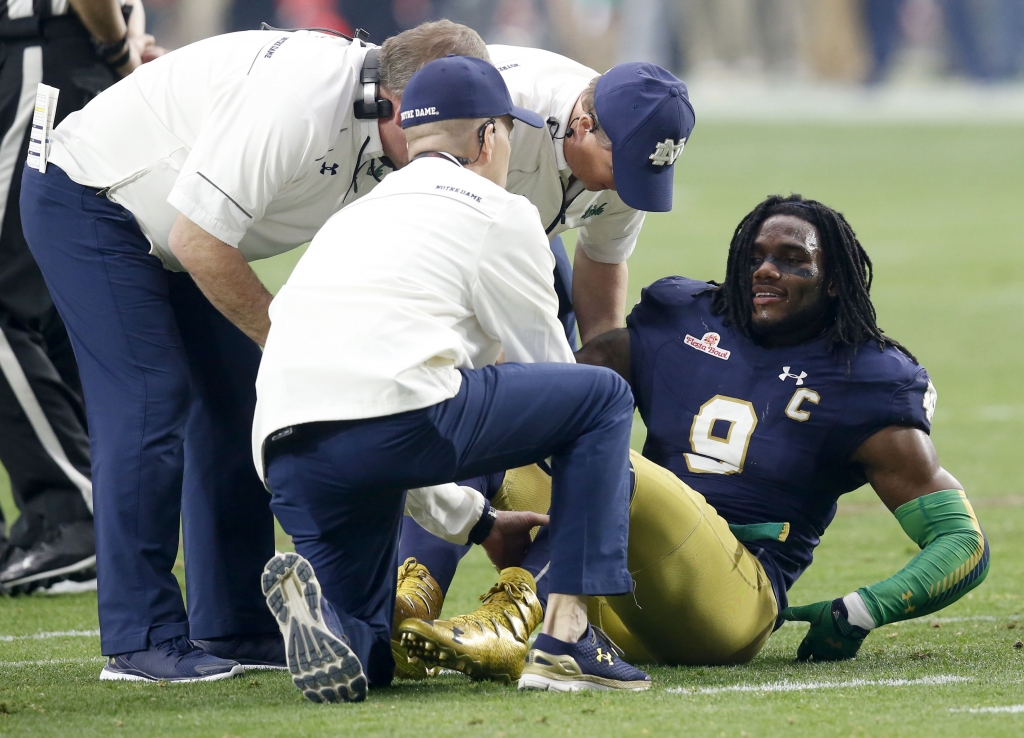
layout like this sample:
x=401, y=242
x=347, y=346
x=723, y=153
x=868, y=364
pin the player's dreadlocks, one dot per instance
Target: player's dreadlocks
x=847, y=270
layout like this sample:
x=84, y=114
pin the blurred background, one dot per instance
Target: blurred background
x=908, y=116
x=739, y=56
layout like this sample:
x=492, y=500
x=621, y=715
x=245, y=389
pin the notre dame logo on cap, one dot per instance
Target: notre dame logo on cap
x=667, y=152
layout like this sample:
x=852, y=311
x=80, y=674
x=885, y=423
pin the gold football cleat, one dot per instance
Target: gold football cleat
x=489, y=643
x=418, y=596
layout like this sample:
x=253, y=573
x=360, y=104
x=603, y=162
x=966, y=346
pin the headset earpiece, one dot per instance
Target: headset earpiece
x=372, y=105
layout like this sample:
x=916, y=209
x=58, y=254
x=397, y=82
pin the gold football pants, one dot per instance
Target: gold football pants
x=701, y=597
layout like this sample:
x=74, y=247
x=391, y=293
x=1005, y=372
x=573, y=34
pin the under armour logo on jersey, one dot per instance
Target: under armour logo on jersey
x=798, y=377
x=667, y=152
x=333, y=169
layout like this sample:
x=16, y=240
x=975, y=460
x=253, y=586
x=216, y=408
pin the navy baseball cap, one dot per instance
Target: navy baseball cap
x=459, y=87
x=646, y=112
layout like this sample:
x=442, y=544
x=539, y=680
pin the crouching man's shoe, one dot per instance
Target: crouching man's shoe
x=261, y=651
x=174, y=660
x=418, y=595
x=319, y=659
x=489, y=643
x=593, y=662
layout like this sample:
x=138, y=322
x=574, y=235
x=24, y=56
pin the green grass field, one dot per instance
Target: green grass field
x=939, y=209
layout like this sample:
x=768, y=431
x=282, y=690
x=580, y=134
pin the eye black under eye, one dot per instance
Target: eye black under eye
x=787, y=264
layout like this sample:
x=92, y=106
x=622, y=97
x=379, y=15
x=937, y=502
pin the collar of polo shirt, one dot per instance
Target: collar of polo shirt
x=565, y=103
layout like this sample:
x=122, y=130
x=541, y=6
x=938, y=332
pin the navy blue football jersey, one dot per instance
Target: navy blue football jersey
x=765, y=434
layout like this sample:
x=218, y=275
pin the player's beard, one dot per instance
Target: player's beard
x=805, y=324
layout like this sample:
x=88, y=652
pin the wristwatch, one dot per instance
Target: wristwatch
x=483, y=527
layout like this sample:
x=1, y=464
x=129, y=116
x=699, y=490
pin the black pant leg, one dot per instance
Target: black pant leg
x=43, y=440
x=43, y=444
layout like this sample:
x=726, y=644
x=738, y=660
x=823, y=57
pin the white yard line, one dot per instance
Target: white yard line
x=50, y=662
x=788, y=686
x=976, y=710
x=53, y=634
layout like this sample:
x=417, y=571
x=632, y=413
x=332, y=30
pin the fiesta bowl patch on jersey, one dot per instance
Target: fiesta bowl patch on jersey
x=708, y=343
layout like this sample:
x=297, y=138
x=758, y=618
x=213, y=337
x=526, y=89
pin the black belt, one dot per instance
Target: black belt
x=37, y=27
x=295, y=437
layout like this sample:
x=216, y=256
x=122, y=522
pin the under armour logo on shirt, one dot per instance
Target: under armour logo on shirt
x=667, y=152
x=798, y=377
x=333, y=169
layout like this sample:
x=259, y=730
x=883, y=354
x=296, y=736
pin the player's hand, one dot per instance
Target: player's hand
x=510, y=537
x=831, y=637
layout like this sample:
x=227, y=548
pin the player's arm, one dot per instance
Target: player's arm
x=224, y=276
x=903, y=468
x=610, y=350
x=598, y=295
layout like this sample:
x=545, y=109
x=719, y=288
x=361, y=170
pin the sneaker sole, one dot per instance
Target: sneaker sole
x=322, y=666
x=554, y=684
x=107, y=675
x=262, y=667
x=446, y=657
x=48, y=578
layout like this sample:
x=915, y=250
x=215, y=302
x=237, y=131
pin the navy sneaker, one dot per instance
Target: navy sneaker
x=262, y=651
x=321, y=663
x=175, y=660
x=593, y=662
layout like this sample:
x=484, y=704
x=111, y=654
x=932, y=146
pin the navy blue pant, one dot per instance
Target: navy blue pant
x=441, y=557
x=169, y=387
x=339, y=488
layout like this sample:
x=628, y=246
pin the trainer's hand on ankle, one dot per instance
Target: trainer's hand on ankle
x=510, y=537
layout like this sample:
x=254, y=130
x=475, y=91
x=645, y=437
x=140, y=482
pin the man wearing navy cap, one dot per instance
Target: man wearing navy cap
x=605, y=156
x=379, y=377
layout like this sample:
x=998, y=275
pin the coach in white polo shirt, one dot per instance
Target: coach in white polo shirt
x=377, y=378
x=605, y=156
x=156, y=196
x=623, y=131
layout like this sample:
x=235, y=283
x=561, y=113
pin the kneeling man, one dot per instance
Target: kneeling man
x=377, y=379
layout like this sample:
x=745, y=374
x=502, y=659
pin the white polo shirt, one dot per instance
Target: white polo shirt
x=549, y=84
x=377, y=323
x=250, y=135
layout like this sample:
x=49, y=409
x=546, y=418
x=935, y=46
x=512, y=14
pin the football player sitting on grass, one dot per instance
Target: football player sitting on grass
x=765, y=397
